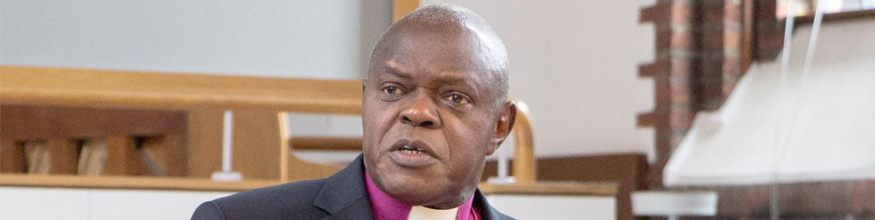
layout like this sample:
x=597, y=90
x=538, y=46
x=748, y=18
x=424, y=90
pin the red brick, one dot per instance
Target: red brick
x=732, y=39
x=681, y=68
x=651, y=120
x=682, y=40
x=663, y=40
x=657, y=69
x=712, y=13
x=713, y=40
x=681, y=13
x=732, y=12
x=680, y=92
x=663, y=93
x=658, y=13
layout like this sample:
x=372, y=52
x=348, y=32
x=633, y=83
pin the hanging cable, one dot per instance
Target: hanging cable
x=785, y=65
x=781, y=135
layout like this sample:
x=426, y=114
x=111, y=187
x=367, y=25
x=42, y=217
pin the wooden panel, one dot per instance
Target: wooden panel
x=204, y=142
x=628, y=171
x=551, y=188
x=326, y=143
x=256, y=150
x=105, y=88
x=170, y=183
x=747, y=54
x=120, y=155
x=41, y=122
x=64, y=156
x=836, y=17
x=294, y=168
x=12, y=157
x=525, y=167
x=173, y=147
x=126, y=182
x=400, y=8
x=302, y=170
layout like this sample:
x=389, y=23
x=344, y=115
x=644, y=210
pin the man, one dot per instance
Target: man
x=433, y=108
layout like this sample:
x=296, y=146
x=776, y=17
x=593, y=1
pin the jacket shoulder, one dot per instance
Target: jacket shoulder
x=290, y=200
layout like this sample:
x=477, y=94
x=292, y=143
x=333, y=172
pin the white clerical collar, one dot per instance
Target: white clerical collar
x=424, y=213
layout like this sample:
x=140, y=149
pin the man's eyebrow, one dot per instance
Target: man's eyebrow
x=450, y=80
x=457, y=80
x=396, y=72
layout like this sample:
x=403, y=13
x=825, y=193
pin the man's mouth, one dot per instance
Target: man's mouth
x=412, y=153
x=411, y=150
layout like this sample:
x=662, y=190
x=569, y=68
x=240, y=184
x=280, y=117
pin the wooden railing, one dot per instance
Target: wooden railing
x=39, y=86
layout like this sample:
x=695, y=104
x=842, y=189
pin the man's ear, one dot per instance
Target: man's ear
x=506, y=119
x=364, y=83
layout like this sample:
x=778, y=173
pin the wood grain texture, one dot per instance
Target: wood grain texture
x=121, y=156
x=326, y=143
x=256, y=151
x=64, y=156
x=108, y=88
x=293, y=168
x=12, y=159
x=174, y=150
x=23, y=123
x=204, y=142
x=126, y=182
x=172, y=183
x=261, y=149
x=626, y=170
x=837, y=17
x=524, y=166
x=551, y=188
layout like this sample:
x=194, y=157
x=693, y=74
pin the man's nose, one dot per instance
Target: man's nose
x=420, y=112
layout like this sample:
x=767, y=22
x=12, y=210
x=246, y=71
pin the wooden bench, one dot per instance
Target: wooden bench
x=162, y=101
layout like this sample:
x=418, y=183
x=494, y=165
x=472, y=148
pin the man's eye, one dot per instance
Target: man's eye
x=392, y=90
x=458, y=99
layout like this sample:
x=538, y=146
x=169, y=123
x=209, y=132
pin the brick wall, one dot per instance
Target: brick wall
x=703, y=47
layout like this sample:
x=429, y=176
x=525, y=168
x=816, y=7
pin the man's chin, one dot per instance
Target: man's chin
x=414, y=191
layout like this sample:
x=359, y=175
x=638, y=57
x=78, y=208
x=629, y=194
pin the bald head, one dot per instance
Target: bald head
x=458, y=28
x=434, y=106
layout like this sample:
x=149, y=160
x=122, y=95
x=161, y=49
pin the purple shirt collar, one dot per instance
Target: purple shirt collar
x=384, y=207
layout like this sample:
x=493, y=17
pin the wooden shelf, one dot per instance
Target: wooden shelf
x=128, y=182
x=551, y=188
x=135, y=89
x=196, y=184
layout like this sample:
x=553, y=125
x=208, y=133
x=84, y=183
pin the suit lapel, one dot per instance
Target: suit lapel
x=486, y=210
x=359, y=210
x=344, y=195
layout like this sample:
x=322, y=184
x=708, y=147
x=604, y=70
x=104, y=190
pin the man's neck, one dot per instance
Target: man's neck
x=385, y=207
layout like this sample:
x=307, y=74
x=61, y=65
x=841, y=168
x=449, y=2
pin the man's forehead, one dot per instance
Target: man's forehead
x=443, y=41
x=395, y=69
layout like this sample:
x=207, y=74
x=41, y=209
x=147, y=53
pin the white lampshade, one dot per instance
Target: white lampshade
x=828, y=118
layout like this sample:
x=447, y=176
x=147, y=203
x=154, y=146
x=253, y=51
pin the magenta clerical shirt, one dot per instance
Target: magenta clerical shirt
x=384, y=207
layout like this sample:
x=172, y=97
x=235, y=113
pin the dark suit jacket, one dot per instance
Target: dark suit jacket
x=341, y=196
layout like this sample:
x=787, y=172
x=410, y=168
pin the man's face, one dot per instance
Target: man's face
x=430, y=116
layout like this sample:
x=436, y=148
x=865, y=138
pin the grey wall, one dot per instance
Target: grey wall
x=576, y=64
x=317, y=39
x=329, y=39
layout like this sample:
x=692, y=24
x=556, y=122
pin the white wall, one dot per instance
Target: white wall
x=319, y=39
x=313, y=39
x=24, y=203
x=575, y=64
